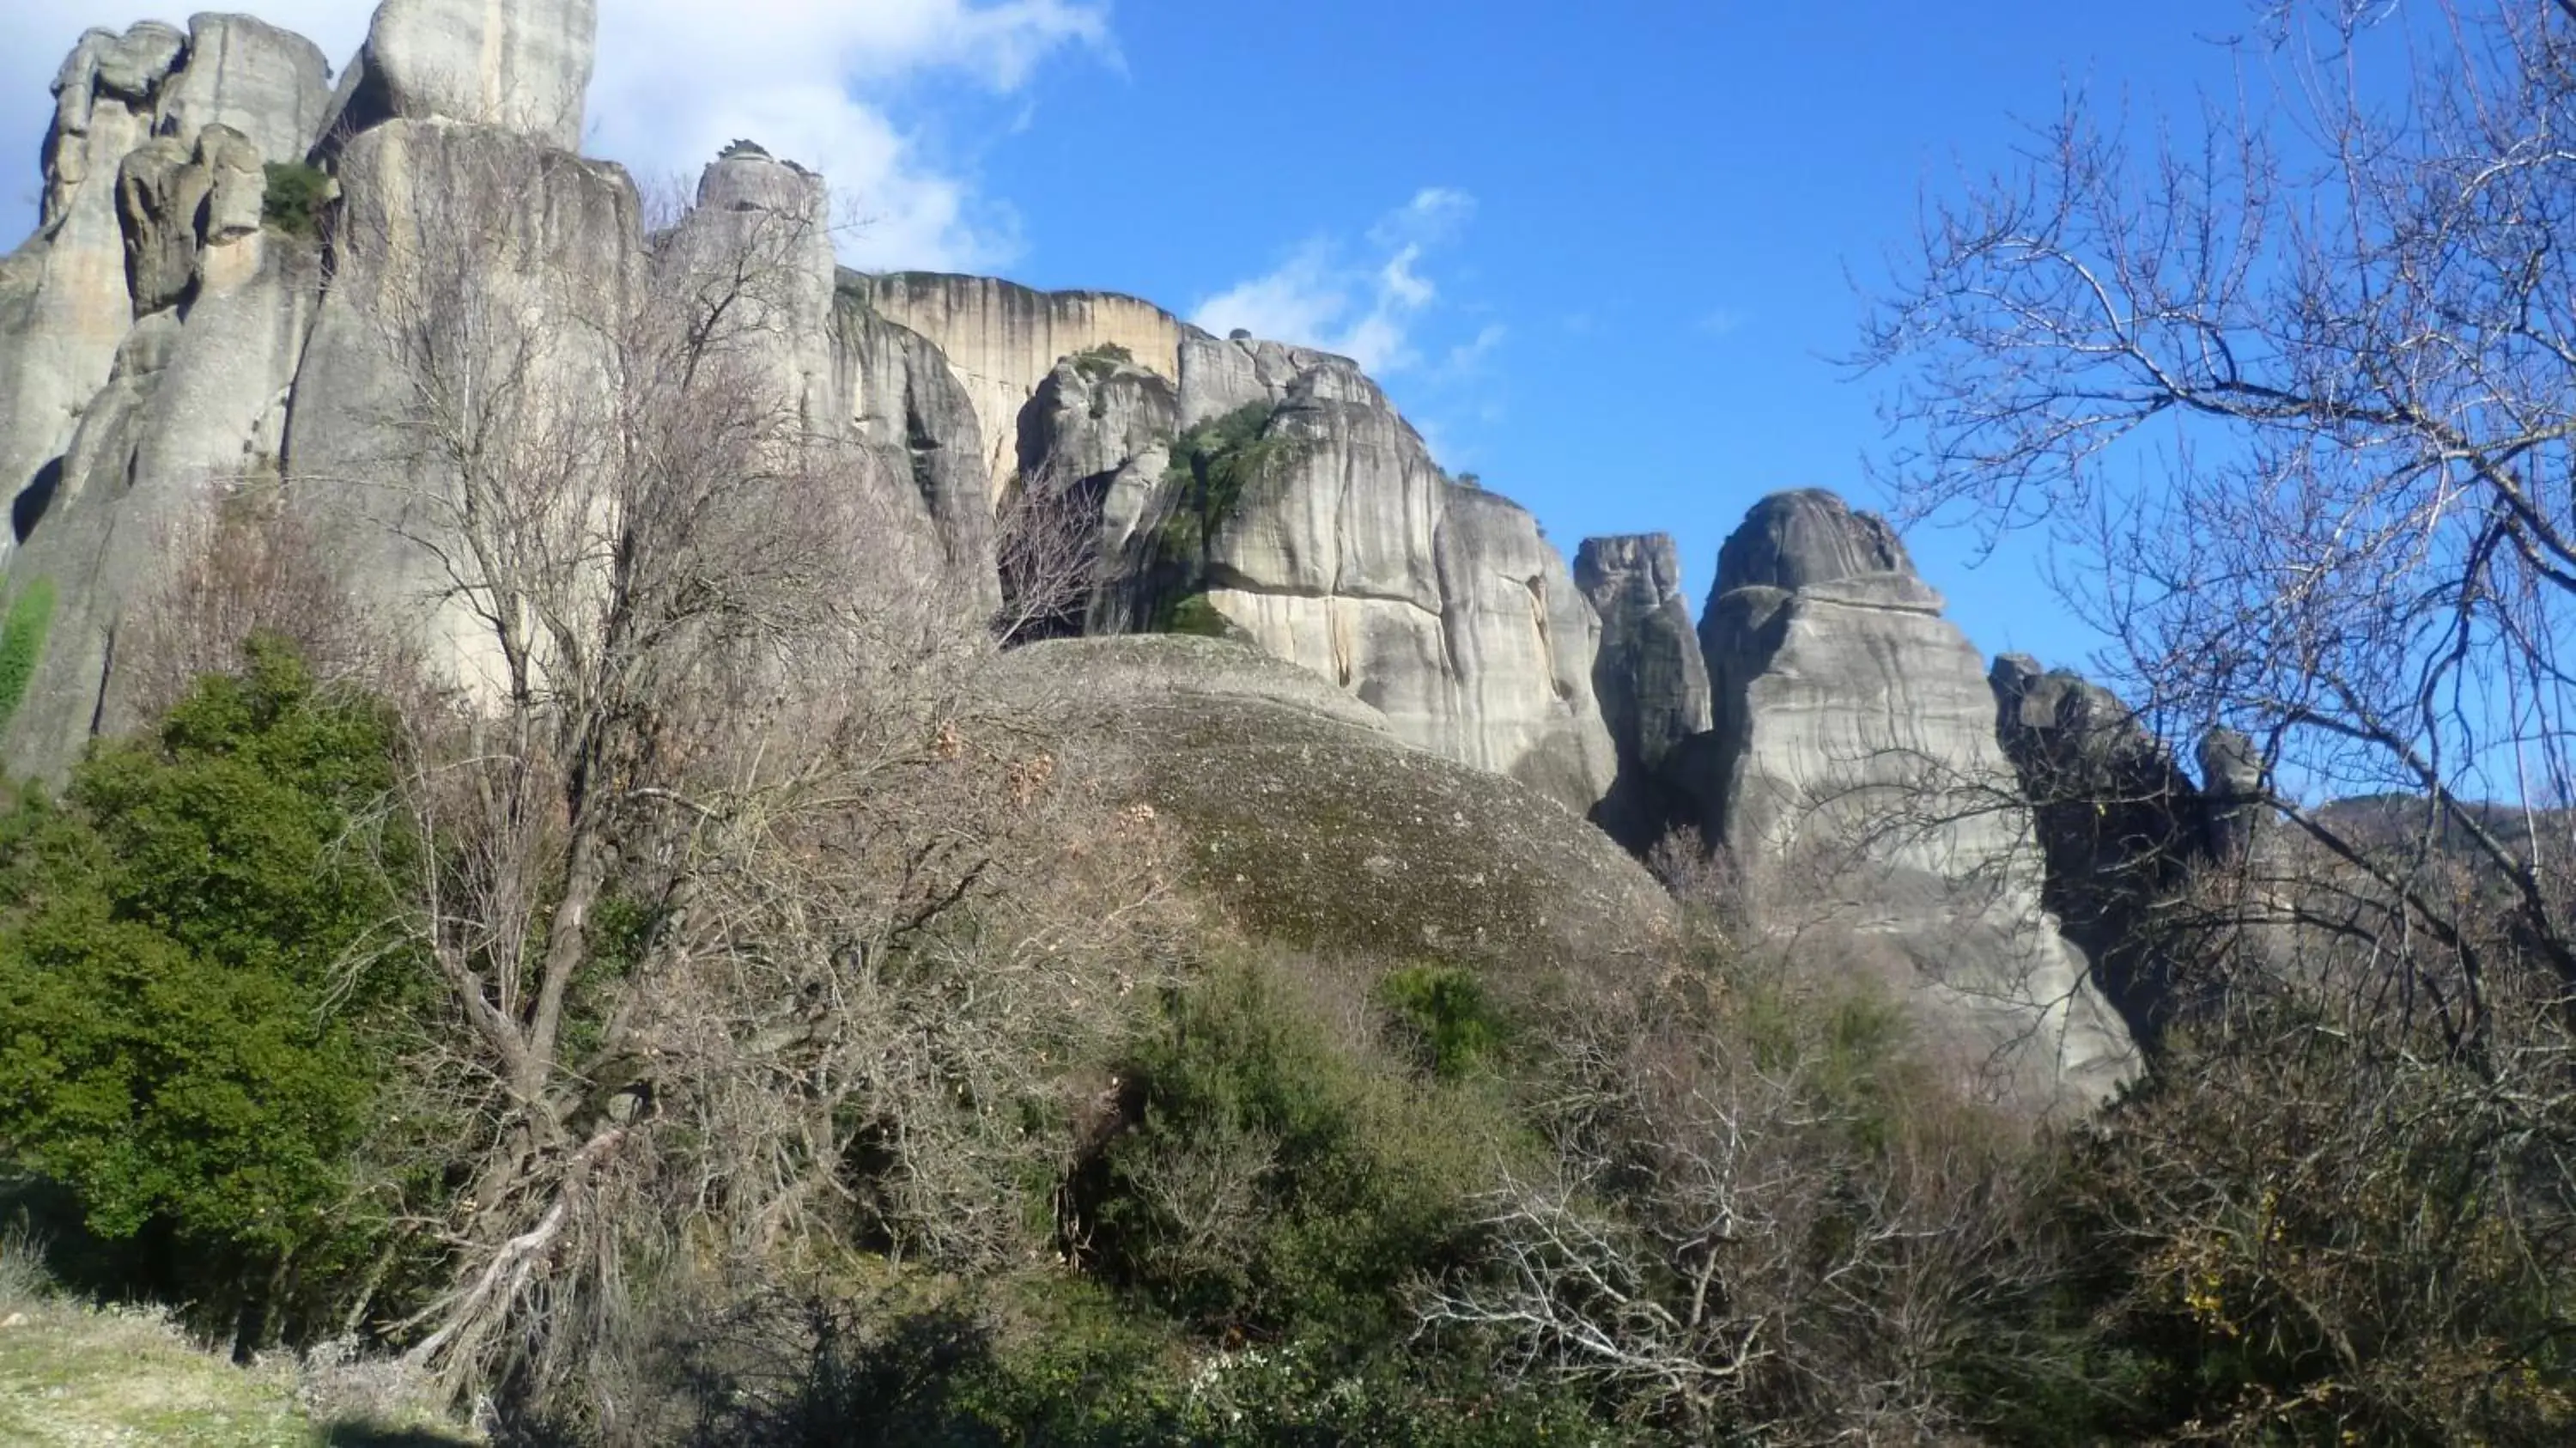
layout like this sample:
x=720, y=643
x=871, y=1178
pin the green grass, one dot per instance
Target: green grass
x=22, y=644
x=77, y=1375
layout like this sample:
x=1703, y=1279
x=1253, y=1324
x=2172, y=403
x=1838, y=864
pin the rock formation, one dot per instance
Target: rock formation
x=1864, y=797
x=149, y=332
x=521, y=66
x=113, y=241
x=1347, y=550
x=1308, y=821
x=185, y=325
x=1002, y=340
x=1649, y=678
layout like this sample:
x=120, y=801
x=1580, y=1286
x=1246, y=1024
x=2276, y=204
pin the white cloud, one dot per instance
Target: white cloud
x=817, y=81
x=1365, y=308
x=1468, y=358
x=1722, y=322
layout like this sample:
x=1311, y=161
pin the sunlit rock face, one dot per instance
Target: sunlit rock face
x=1002, y=340
x=149, y=334
x=1351, y=553
x=1859, y=786
x=151, y=182
x=514, y=65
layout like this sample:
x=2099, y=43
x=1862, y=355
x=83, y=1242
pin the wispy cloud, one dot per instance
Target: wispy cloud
x=814, y=80
x=1721, y=322
x=1364, y=303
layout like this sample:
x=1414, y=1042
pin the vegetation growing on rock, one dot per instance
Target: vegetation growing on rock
x=22, y=643
x=296, y=198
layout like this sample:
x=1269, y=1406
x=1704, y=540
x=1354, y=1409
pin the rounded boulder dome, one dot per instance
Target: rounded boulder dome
x=1798, y=539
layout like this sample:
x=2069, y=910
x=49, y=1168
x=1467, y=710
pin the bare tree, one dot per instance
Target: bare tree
x=1763, y=1209
x=2336, y=328
x=724, y=860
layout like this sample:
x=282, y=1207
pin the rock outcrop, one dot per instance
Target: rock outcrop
x=907, y=411
x=516, y=65
x=1649, y=677
x=1328, y=536
x=1003, y=340
x=1306, y=820
x=149, y=332
x=271, y=85
x=558, y=242
x=1863, y=794
x=2119, y=825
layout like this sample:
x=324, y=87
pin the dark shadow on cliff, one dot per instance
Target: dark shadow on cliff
x=35, y=499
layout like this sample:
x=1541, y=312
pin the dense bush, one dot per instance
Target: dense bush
x=199, y=975
x=1280, y=1180
x=296, y=197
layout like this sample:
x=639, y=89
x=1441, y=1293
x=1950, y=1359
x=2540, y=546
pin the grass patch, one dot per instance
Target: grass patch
x=22, y=644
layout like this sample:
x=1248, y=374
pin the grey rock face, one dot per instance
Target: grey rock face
x=156, y=151
x=1862, y=790
x=1351, y=554
x=559, y=246
x=910, y=414
x=64, y=303
x=192, y=412
x=760, y=235
x=270, y=85
x=1649, y=677
x=1094, y=444
x=519, y=65
x=1002, y=340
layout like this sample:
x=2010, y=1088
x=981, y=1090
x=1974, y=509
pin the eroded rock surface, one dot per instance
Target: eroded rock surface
x=1003, y=340
x=1348, y=551
x=559, y=248
x=1865, y=797
x=1649, y=678
x=518, y=65
x=1309, y=821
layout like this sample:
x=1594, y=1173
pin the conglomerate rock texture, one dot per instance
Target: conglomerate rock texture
x=1423, y=691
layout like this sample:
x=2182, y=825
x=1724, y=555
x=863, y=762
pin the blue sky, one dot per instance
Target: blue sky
x=1603, y=256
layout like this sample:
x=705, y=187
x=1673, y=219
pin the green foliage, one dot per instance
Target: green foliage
x=295, y=199
x=1453, y=1025
x=1213, y=466
x=197, y=964
x=22, y=644
x=1081, y=1369
x=1195, y=615
x=1281, y=1181
x=1099, y=363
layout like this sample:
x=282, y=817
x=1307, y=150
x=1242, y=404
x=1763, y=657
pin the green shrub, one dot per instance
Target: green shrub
x=1101, y=362
x=295, y=199
x=199, y=972
x=1281, y=1180
x=1454, y=1028
x=22, y=644
x=1196, y=616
